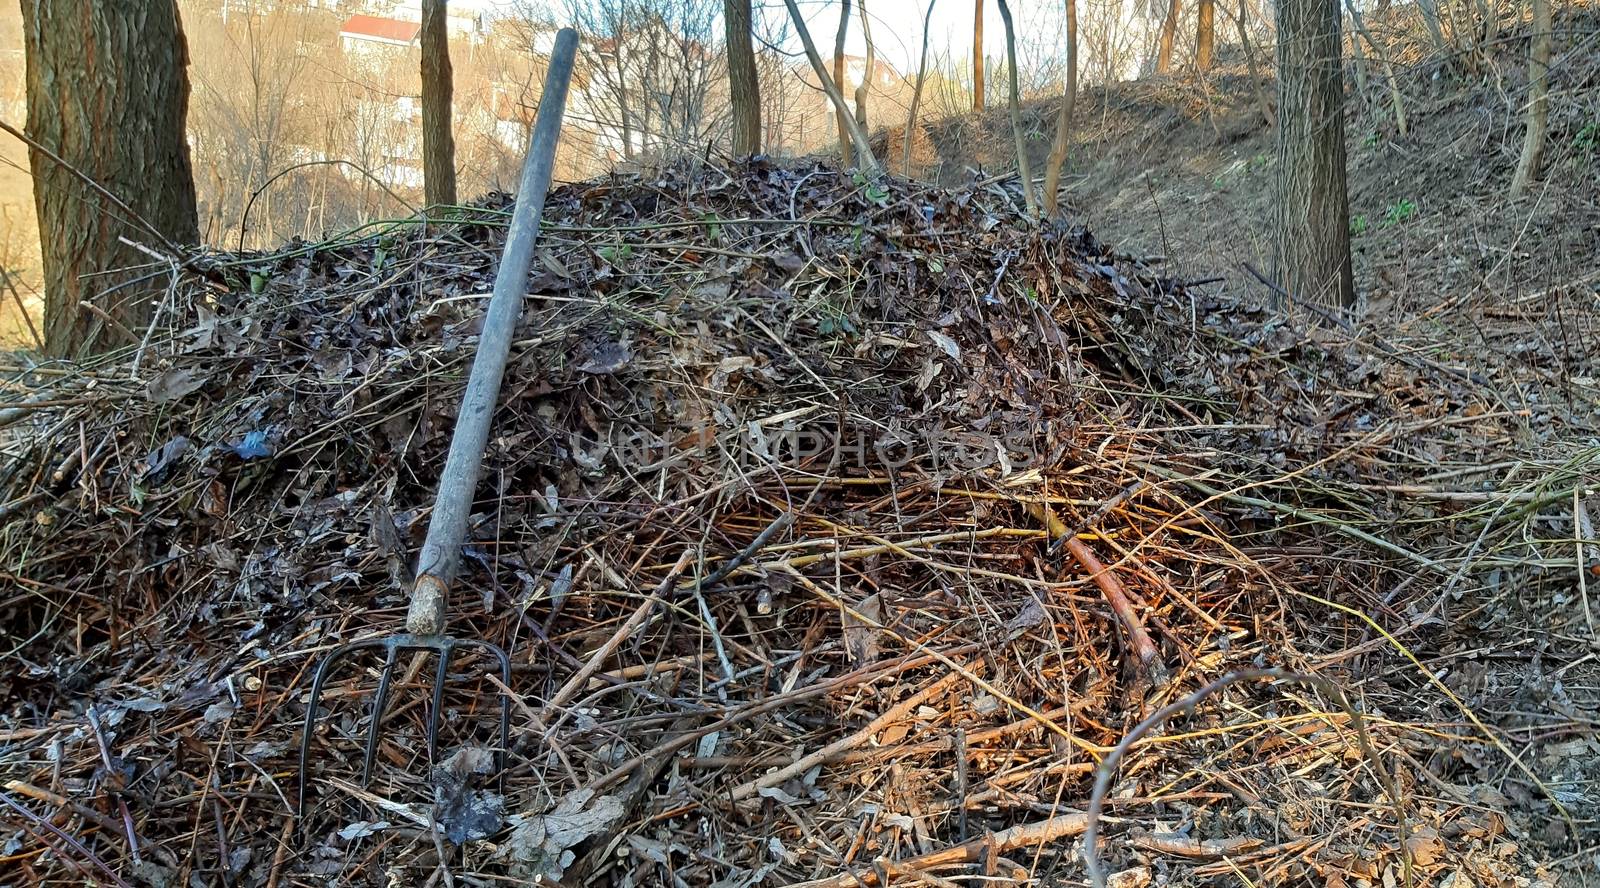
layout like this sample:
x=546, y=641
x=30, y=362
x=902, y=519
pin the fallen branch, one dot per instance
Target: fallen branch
x=1111, y=588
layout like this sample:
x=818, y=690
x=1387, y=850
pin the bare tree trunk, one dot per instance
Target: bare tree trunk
x=1395, y=97
x=744, y=89
x=1312, y=257
x=1169, y=30
x=842, y=112
x=107, y=93
x=1205, y=33
x=1430, y=17
x=1358, y=64
x=438, y=142
x=1532, y=160
x=1262, y=104
x=977, y=55
x=1014, y=102
x=859, y=137
x=1058, y=148
x=916, y=95
x=864, y=88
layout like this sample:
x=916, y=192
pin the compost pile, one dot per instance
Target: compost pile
x=806, y=517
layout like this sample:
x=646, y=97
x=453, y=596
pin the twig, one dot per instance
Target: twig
x=1024, y=835
x=778, y=525
x=894, y=714
x=60, y=801
x=1099, y=515
x=66, y=837
x=438, y=842
x=117, y=201
x=1111, y=588
x=122, y=803
x=105, y=316
x=959, y=742
x=22, y=309
x=776, y=701
x=1200, y=849
x=1583, y=529
x=1108, y=766
x=161, y=308
x=282, y=852
x=1318, y=310
x=1291, y=511
x=598, y=659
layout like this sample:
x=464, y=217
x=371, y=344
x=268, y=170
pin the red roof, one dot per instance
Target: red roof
x=375, y=28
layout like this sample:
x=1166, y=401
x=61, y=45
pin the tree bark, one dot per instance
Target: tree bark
x=863, y=89
x=108, y=94
x=1014, y=103
x=1312, y=230
x=744, y=89
x=916, y=95
x=842, y=112
x=977, y=55
x=1169, y=31
x=857, y=135
x=1058, y=148
x=1205, y=33
x=1532, y=159
x=438, y=142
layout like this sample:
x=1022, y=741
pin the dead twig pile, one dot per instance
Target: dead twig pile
x=837, y=528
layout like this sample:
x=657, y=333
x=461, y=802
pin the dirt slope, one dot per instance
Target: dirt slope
x=1184, y=168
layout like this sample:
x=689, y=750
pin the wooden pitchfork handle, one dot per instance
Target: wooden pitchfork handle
x=441, y=550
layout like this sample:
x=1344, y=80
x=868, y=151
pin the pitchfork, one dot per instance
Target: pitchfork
x=441, y=550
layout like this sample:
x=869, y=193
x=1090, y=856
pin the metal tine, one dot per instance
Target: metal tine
x=438, y=703
x=393, y=647
x=504, y=660
x=318, y=679
x=376, y=722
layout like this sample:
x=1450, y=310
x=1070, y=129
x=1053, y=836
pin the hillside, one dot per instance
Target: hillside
x=1183, y=168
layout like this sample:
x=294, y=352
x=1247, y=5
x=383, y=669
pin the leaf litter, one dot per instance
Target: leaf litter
x=845, y=412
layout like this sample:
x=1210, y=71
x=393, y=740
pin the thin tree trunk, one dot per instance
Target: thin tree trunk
x=1430, y=18
x=1262, y=103
x=916, y=95
x=859, y=137
x=744, y=88
x=1014, y=102
x=1395, y=97
x=842, y=112
x=1312, y=231
x=1532, y=159
x=1169, y=30
x=108, y=94
x=1205, y=34
x=977, y=55
x=1058, y=148
x=438, y=142
x=1358, y=64
x=863, y=89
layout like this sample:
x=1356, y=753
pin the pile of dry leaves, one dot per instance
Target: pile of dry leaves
x=836, y=528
